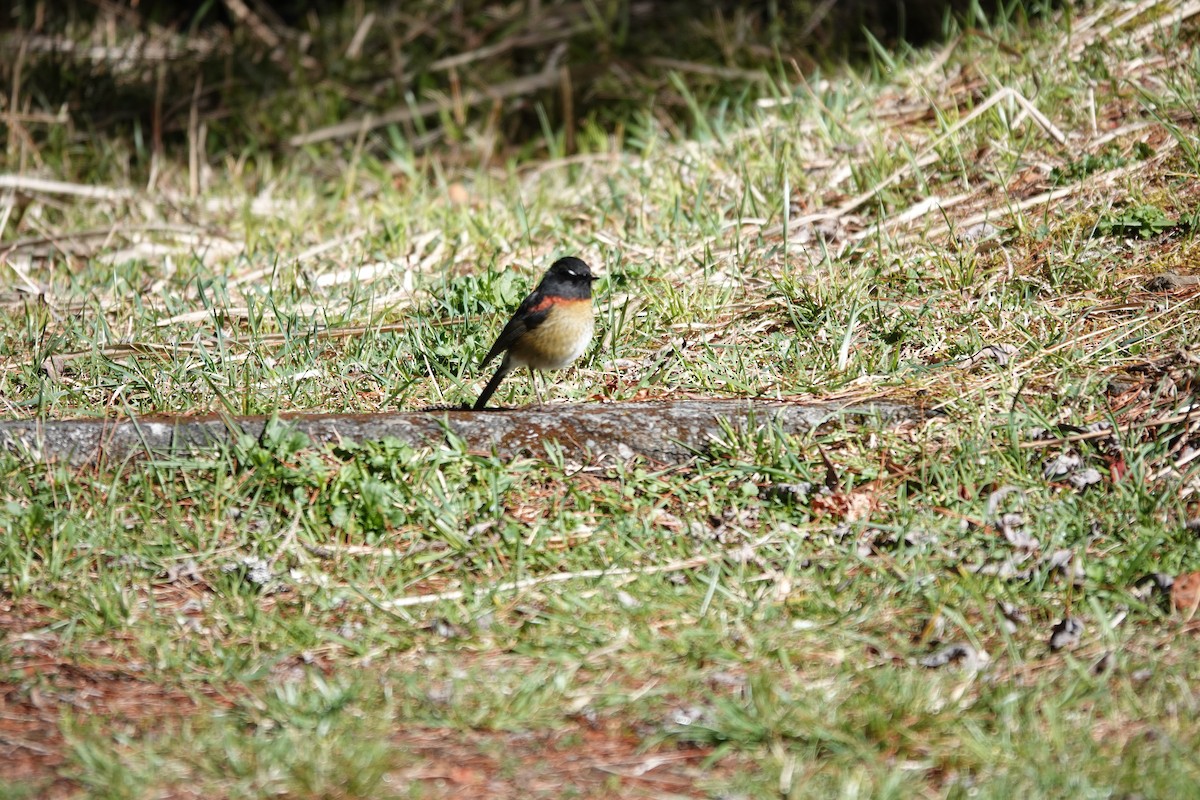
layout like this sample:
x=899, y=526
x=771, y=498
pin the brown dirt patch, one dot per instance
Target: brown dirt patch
x=601, y=760
x=43, y=679
x=39, y=683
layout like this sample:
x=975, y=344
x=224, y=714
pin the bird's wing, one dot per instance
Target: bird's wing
x=532, y=312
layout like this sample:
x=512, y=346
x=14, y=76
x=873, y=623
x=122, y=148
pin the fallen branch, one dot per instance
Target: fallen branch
x=665, y=432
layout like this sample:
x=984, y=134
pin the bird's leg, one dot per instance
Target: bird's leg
x=538, y=377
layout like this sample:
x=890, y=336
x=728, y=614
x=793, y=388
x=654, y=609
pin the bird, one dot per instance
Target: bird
x=550, y=329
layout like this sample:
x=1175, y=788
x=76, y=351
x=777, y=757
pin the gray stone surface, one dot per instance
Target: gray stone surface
x=662, y=431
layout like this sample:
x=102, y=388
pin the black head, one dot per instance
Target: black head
x=568, y=277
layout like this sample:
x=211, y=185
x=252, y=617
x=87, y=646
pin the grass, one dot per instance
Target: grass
x=264, y=619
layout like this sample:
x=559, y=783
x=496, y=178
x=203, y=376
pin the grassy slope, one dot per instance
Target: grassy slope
x=786, y=657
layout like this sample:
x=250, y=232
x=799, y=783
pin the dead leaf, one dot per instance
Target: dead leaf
x=52, y=367
x=984, y=234
x=846, y=507
x=1170, y=281
x=1000, y=353
x=440, y=626
x=1013, y=616
x=859, y=506
x=1084, y=478
x=1117, y=469
x=790, y=493
x=956, y=653
x=996, y=497
x=1153, y=583
x=1062, y=464
x=1009, y=525
x=1185, y=595
x=1066, y=634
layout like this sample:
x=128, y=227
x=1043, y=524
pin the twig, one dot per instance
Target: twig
x=14, y=101
x=242, y=13
x=927, y=156
x=915, y=211
x=32, y=287
x=107, y=232
x=287, y=541
x=354, y=49
x=26, y=183
x=568, y=112
x=311, y=252
x=194, y=140
x=532, y=169
x=26, y=744
x=1108, y=433
x=1038, y=117
x=1025, y=365
x=135, y=53
x=9, y=205
x=462, y=59
x=168, y=350
x=130, y=349
x=328, y=551
x=1149, y=29
x=559, y=577
x=725, y=73
x=1095, y=33
x=472, y=97
x=1036, y=200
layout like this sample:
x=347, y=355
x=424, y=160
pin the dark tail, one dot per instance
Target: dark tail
x=492, y=385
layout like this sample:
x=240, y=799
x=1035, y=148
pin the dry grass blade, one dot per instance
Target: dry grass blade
x=27, y=183
x=561, y=577
x=1108, y=433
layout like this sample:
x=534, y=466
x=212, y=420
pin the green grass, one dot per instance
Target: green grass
x=261, y=619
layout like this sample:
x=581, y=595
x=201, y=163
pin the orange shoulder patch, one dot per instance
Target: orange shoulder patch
x=556, y=300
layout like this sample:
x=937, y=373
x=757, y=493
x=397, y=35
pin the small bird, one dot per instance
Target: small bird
x=550, y=329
